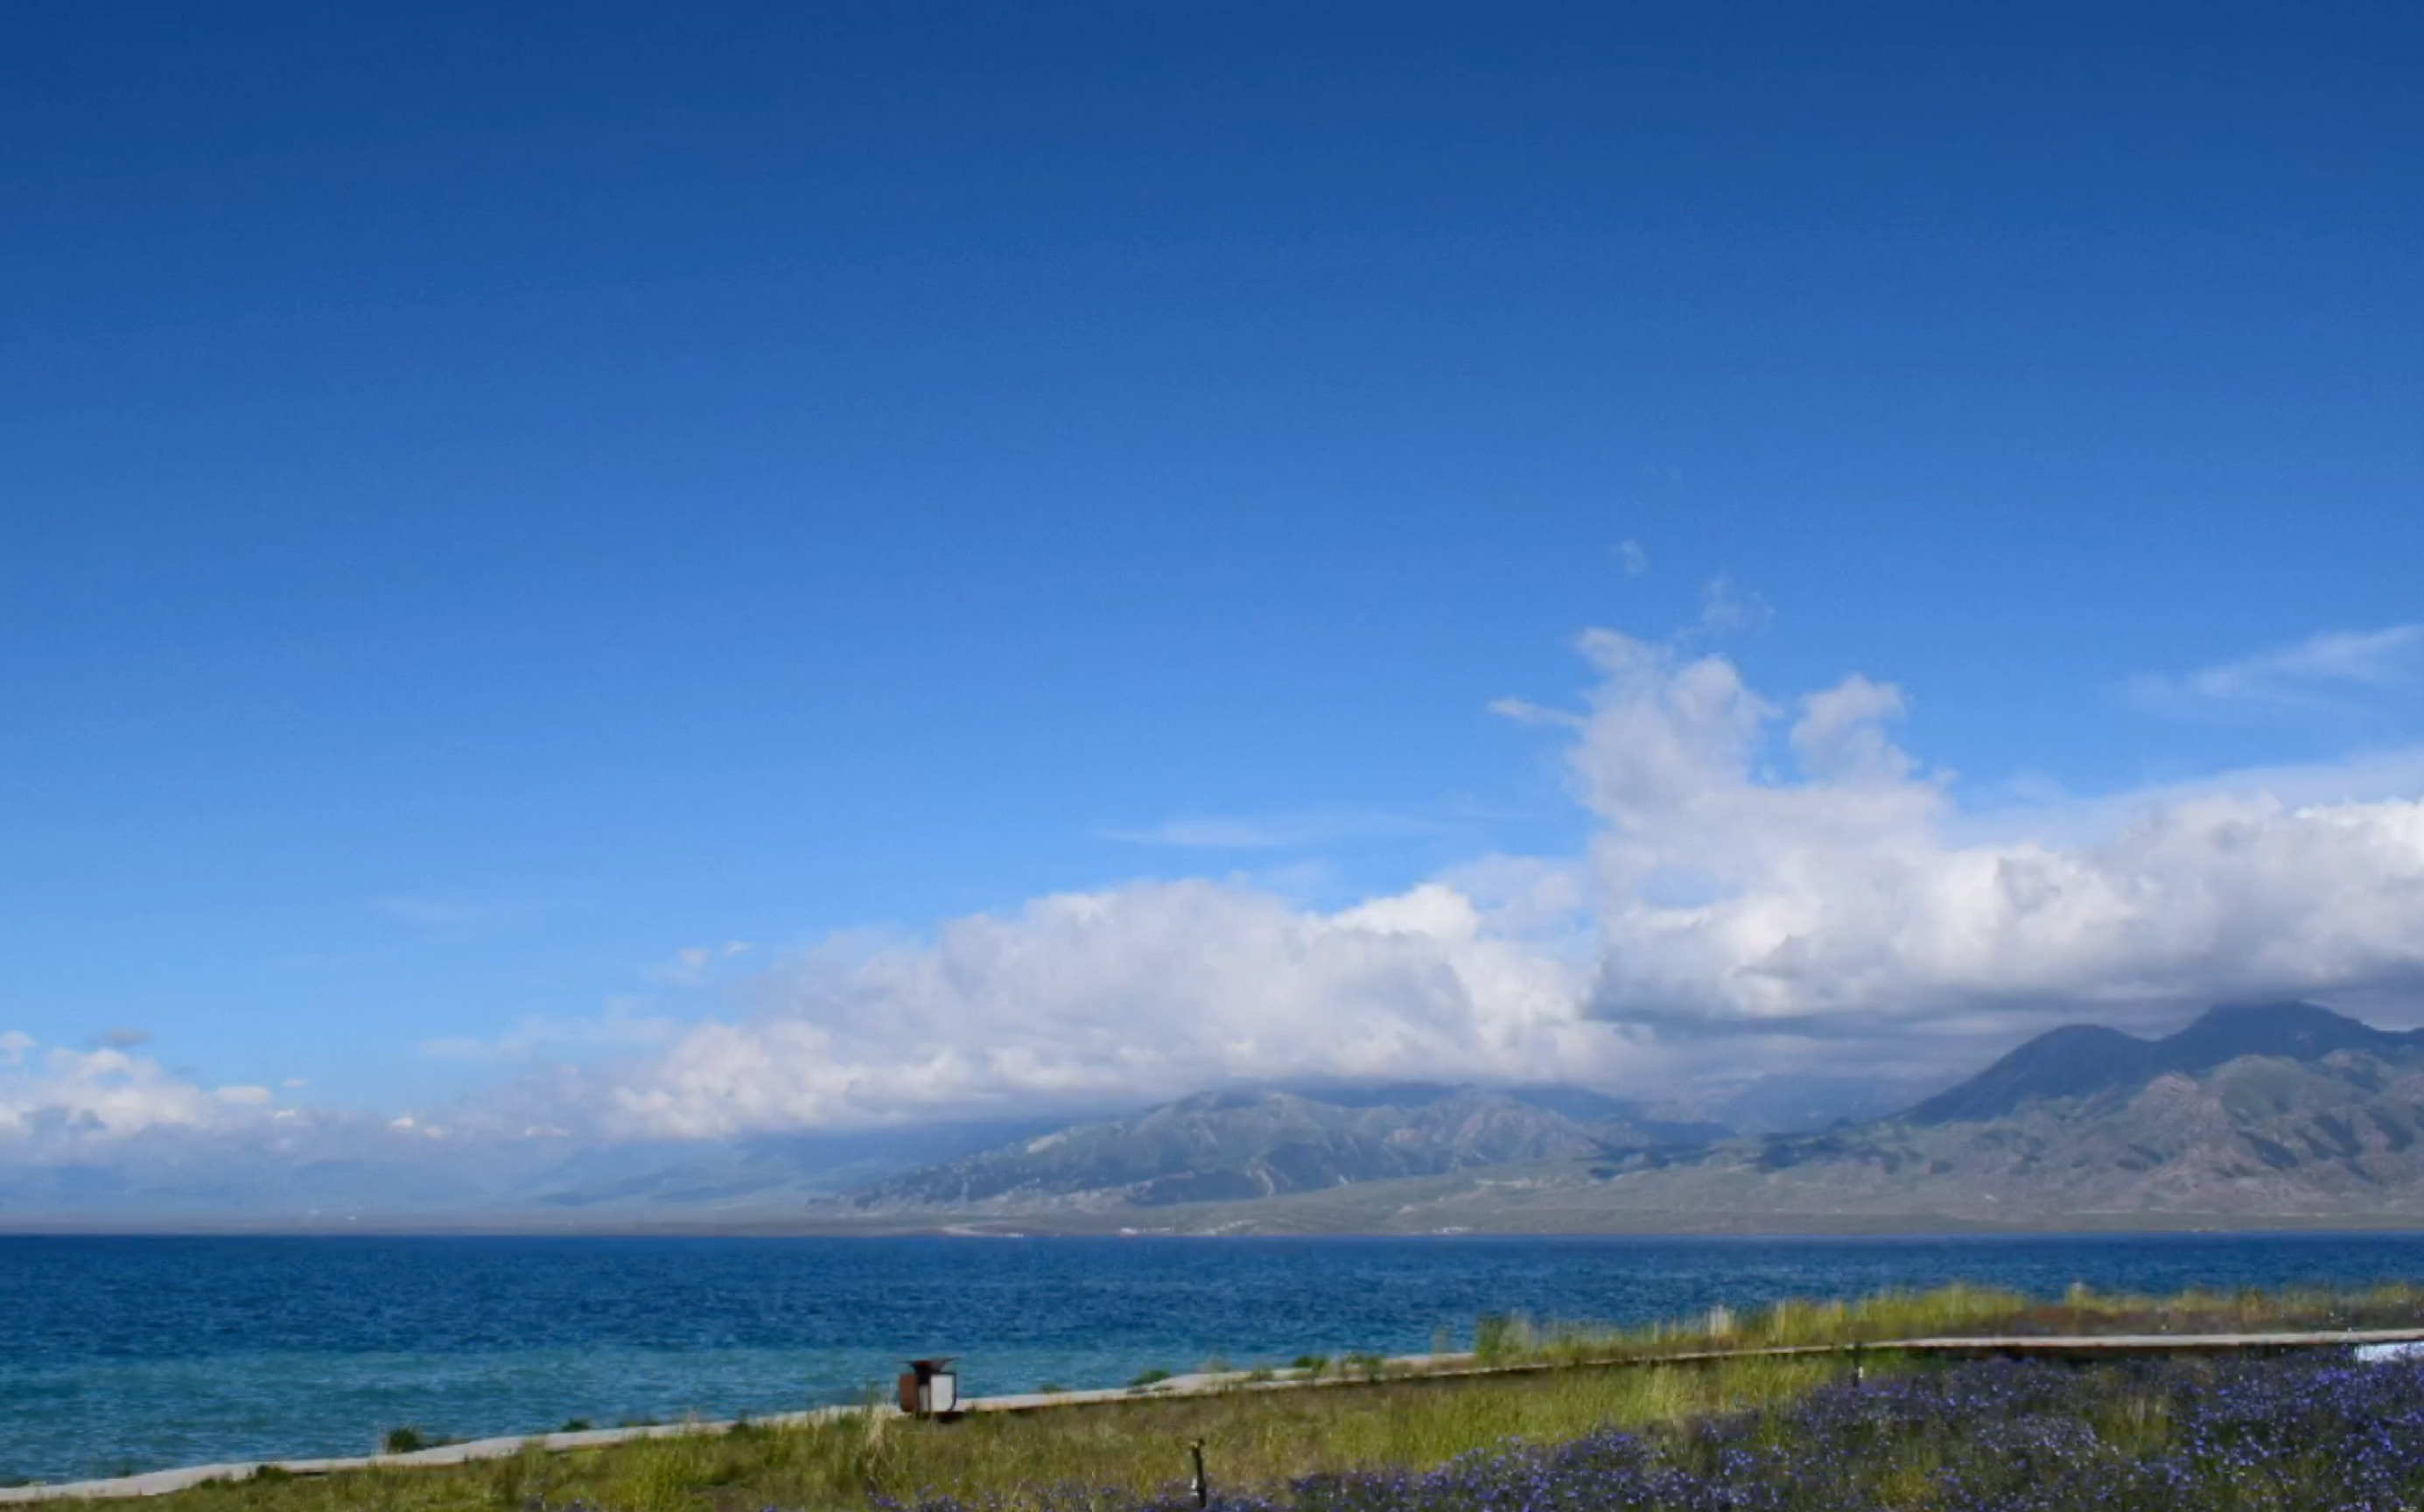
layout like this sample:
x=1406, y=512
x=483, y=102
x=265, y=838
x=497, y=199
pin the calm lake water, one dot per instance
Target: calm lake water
x=139, y=1353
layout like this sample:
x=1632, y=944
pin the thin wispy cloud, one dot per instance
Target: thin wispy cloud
x=1726, y=606
x=2328, y=669
x=626, y=1023
x=1634, y=560
x=695, y=965
x=1276, y=832
x=1525, y=712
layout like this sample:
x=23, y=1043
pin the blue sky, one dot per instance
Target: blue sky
x=495, y=502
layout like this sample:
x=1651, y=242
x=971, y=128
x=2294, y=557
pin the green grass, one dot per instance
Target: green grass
x=1249, y=1438
x=1368, y=1416
x=1954, y=1311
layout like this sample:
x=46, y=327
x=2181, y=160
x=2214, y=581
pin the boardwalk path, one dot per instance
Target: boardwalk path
x=1430, y=1367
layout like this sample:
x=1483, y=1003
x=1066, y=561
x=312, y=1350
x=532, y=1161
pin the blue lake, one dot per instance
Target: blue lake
x=137, y=1353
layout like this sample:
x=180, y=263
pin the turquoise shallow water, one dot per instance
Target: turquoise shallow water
x=137, y=1353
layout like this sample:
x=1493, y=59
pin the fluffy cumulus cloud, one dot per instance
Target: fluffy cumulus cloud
x=1769, y=883
x=63, y=1095
x=1769, y=880
x=1842, y=896
x=1142, y=992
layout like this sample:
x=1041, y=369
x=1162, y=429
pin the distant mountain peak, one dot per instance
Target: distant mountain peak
x=2071, y=1061
x=2082, y=1059
x=2299, y=1030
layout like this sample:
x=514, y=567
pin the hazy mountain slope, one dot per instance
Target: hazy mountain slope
x=758, y=1175
x=2286, y=1112
x=170, y=1177
x=2266, y=1112
x=2257, y=1134
x=371, y=1174
x=2084, y=1059
x=2067, y=1062
x=2282, y=1112
x=1220, y=1147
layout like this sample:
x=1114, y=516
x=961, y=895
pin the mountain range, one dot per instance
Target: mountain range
x=1244, y=1146
x=2285, y=1112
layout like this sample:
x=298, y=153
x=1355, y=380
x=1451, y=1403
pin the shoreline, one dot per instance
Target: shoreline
x=1393, y=1370
x=962, y=1226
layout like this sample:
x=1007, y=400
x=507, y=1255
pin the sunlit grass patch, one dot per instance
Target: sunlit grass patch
x=1952, y=1312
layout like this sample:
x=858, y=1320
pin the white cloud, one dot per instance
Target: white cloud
x=1726, y=917
x=106, y=1093
x=1768, y=880
x=1634, y=559
x=1139, y=993
x=2311, y=674
x=1841, y=734
x=1525, y=712
x=1841, y=898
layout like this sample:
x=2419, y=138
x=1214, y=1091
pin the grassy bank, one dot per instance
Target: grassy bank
x=1379, y=1443
x=1956, y=1311
x=1259, y=1438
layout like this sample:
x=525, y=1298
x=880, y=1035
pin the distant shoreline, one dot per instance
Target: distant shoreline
x=1914, y=1226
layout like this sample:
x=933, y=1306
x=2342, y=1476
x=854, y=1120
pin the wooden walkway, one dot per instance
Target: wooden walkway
x=1402, y=1368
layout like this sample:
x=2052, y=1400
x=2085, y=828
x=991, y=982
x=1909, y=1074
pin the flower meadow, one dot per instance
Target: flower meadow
x=2291, y=1432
